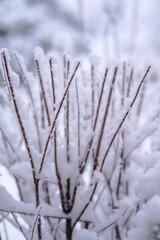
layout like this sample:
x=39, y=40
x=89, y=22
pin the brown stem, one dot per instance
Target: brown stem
x=118, y=235
x=83, y=164
x=96, y=184
x=123, y=83
x=69, y=229
x=25, y=139
x=55, y=119
x=67, y=118
x=141, y=100
x=93, y=92
x=52, y=81
x=87, y=204
x=37, y=204
x=130, y=81
x=31, y=98
x=42, y=112
x=79, y=133
x=18, y=115
x=43, y=92
x=104, y=120
x=124, y=118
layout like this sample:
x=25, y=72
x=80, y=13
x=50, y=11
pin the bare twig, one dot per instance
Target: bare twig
x=56, y=116
x=36, y=182
x=130, y=81
x=42, y=112
x=123, y=83
x=67, y=118
x=43, y=92
x=112, y=140
x=141, y=100
x=104, y=120
x=83, y=164
x=79, y=132
x=93, y=92
x=31, y=98
x=86, y=205
x=18, y=114
x=52, y=81
x=124, y=118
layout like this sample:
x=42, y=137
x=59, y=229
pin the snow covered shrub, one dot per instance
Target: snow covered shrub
x=65, y=139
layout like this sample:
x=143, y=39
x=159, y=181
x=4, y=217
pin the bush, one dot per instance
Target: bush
x=66, y=141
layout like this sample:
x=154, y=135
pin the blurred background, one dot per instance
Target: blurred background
x=111, y=29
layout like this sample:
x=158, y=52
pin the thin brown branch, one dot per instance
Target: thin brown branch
x=36, y=182
x=83, y=164
x=79, y=132
x=130, y=81
x=52, y=81
x=123, y=83
x=100, y=99
x=85, y=207
x=119, y=183
x=104, y=120
x=117, y=232
x=93, y=92
x=43, y=92
x=67, y=117
x=64, y=70
x=26, y=84
x=128, y=218
x=56, y=116
x=124, y=118
x=5, y=78
x=42, y=112
x=141, y=99
x=18, y=114
x=24, y=135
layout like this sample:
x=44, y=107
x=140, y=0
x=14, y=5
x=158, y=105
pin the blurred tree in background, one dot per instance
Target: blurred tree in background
x=107, y=28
